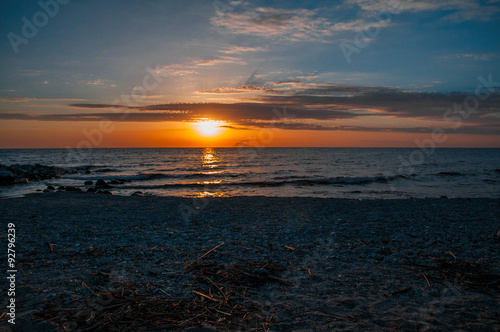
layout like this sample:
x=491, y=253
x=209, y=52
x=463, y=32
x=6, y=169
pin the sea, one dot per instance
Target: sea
x=359, y=173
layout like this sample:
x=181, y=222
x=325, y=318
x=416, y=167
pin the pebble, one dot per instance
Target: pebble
x=332, y=261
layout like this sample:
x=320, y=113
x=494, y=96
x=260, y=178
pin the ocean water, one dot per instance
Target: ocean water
x=284, y=172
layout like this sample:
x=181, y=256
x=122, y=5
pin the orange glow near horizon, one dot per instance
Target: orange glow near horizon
x=38, y=134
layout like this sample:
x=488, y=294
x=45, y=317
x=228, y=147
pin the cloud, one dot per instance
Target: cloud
x=22, y=100
x=297, y=24
x=98, y=106
x=30, y=72
x=191, y=67
x=297, y=86
x=240, y=89
x=217, y=61
x=177, y=70
x=290, y=24
x=295, y=105
x=462, y=10
x=98, y=82
x=360, y=101
x=240, y=124
x=473, y=56
x=240, y=49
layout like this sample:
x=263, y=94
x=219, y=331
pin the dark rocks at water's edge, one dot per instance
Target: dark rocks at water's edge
x=16, y=174
x=74, y=189
x=103, y=184
x=21, y=174
x=99, y=187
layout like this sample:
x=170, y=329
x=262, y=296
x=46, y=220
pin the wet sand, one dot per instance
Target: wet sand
x=304, y=264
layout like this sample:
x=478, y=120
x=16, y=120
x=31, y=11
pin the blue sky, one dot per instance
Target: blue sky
x=94, y=52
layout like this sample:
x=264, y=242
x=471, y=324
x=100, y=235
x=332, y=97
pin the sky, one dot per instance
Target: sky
x=191, y=73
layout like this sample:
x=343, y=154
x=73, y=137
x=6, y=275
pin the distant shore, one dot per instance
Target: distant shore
x=249, y=263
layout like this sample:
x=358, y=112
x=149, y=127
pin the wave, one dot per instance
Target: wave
x=335, y=181
x=211, y=175
x=450, y=174
x=339, y=181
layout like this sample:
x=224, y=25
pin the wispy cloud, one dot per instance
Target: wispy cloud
x=22, y=100
x=217, y=61
x=30, y=72
x=240, y=49
x=461, y=10
x=473, y=56
x=297, y=24
x=291, y=24
x=191, y=67
x=99, y=82
x=299, y=87
x=304, y=106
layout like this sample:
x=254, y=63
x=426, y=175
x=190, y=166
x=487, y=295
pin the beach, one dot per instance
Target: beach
x=102, y=262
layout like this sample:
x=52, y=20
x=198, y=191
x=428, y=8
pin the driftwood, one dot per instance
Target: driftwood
x=460, y=274
x=221, y=299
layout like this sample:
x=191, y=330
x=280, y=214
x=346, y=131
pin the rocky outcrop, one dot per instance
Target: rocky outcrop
x=24, y=173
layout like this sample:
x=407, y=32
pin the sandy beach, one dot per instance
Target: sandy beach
x=98, y=262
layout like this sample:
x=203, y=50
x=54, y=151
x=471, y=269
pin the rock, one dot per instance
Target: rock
x=107, y=192
x=6, y=177
x=116, y=182
x=444, y=197
x=100, y=183
x=61, y=187
x=91, y=190
x=51, y=188
x=89, y=183
x=24, y=173
x=103, y=184
x=75, y=189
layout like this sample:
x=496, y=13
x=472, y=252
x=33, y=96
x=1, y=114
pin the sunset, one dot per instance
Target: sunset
x=345, y=74
x=230, y=165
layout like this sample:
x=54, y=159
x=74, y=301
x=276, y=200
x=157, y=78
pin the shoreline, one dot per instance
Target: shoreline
x=147, y=195
x=309, y=264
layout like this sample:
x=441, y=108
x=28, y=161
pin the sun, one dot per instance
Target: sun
x=209, y=128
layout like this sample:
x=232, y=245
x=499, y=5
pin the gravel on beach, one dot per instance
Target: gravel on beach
x=254, y=263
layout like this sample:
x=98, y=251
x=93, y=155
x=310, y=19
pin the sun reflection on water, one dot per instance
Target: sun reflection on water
x=210, y=159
